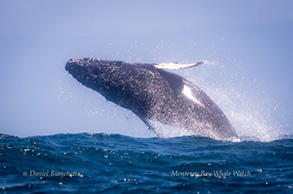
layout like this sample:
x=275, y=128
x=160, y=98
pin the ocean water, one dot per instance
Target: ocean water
x=103, y=163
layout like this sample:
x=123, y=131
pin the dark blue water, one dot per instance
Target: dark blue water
x=101, y=163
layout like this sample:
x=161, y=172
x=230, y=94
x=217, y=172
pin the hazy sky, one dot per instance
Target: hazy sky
x=248, y=42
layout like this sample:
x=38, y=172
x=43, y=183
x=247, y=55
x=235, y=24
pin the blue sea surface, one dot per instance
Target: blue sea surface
x=102, y=163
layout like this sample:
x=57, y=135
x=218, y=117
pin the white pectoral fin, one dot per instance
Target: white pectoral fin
x=175, y=66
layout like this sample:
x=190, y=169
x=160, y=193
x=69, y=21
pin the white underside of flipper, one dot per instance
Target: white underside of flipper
x=176, y=66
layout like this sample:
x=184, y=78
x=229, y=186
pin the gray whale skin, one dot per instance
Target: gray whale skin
x=154, y=94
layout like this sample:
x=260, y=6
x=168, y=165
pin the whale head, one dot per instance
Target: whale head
x=93, y=73
x=87, y=70
x=106, y=77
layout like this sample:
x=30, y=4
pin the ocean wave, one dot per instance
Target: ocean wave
x=91, y=163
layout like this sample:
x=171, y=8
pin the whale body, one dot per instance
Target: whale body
x=154, y=94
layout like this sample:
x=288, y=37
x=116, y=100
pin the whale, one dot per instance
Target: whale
x=153, y=93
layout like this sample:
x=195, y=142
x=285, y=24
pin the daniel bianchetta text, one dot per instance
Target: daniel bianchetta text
x=48, y=173
x=214, y=173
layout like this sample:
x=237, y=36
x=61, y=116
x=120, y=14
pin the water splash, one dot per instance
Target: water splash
x=246, y=106
x=167, y=131
x=250, y=117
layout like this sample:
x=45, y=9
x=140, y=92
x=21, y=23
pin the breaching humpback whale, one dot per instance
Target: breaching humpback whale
x=152, y=93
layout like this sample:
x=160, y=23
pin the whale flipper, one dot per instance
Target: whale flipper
x=147, y=123
x=176, y=66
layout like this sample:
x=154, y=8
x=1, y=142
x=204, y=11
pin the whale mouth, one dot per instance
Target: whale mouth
x=69, y=65
x=77, y=68
x=74, y=66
